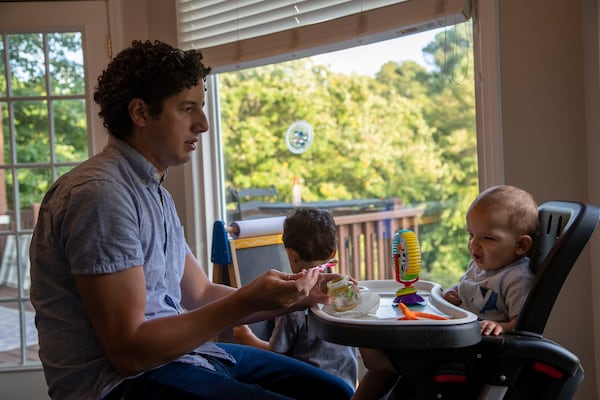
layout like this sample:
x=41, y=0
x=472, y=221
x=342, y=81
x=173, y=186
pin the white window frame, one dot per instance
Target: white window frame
x=488, y=122
x=356, y=25
x=488, y=105
x=88, y=18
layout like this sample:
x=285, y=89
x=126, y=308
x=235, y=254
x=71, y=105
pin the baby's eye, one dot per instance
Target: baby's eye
x=488, y=238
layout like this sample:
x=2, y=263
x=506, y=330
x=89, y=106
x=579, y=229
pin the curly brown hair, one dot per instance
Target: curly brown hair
x=311, y=232
x=151, y=71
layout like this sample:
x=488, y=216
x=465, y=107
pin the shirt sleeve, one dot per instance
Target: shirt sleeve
x=100, y=229
x=285, y=332
x=517, y=283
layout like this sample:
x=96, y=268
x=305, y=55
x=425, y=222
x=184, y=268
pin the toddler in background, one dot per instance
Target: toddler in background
x=309, y=238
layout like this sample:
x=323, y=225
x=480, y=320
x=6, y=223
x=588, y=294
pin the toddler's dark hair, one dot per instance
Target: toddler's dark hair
x=310, y=232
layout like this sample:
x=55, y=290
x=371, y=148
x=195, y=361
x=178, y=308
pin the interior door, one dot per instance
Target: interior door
x=87, y=21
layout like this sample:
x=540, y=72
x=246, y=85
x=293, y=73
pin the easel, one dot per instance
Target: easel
x=226, y=258
x=220, y=256
x=225, y=254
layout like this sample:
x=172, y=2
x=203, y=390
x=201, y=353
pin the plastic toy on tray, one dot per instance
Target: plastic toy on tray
x=406, y=255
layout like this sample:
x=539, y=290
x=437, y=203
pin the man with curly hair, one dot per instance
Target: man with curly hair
x=123, y=308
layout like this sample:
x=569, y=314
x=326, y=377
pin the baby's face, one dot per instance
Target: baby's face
x=492, y=242
x=300, y=264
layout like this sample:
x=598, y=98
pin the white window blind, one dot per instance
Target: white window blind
x=246, y=33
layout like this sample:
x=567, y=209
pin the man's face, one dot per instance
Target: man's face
x=171, y=136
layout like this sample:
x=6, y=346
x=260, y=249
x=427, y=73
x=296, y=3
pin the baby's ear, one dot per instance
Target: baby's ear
x=524, y=243
x=293, y=255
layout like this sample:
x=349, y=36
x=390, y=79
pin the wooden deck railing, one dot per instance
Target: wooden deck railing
x=364, y=244
x=364, y=241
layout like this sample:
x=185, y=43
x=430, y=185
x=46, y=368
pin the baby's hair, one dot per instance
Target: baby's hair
x=520, y=206
x=310, y=232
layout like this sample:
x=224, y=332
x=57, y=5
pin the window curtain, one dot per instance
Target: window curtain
x=248, y=33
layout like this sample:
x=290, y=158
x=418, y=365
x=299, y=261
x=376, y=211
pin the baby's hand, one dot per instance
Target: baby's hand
x=451, y=296
x=488, y=328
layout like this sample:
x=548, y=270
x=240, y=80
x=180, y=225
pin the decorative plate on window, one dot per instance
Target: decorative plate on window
x=299, y=137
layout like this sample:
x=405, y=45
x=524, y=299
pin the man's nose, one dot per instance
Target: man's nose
x=200, y=123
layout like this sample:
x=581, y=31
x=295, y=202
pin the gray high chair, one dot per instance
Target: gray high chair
x=521, y=364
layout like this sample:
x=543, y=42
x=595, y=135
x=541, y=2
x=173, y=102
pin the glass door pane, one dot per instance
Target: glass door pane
x=45, y=130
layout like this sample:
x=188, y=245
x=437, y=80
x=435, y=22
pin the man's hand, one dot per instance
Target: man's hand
x=275, y=289
x=318, y=293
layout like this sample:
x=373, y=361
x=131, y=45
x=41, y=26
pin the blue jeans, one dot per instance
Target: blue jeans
x=258, y=374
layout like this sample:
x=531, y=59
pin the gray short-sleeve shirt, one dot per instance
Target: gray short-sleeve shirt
x=291, y=336
x=108, y=214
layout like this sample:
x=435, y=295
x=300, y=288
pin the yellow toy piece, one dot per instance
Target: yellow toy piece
x=406, y=254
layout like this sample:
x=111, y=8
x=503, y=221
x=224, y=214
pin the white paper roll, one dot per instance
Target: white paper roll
x=256, y=227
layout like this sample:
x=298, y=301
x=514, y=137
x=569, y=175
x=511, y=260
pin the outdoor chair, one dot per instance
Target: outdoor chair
x=246, y=202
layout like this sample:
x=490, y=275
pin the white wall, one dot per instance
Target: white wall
x=591, y=45
x=549, y=76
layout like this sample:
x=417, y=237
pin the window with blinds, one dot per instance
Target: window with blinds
x=248, y=33
x=404, y=134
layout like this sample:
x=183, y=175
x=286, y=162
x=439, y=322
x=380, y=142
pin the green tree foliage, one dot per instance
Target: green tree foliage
x=452, y=113
x=26, y=71
x=408, y=133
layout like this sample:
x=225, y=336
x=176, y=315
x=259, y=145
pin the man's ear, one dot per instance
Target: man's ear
x=524, y=244
x=138, y=111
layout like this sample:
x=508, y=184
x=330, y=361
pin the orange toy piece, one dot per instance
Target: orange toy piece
x=413, y=315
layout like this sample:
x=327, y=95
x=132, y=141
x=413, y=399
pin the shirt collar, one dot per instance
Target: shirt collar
x=142, y=167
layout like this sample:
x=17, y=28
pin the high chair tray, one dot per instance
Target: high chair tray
x=383, y=329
